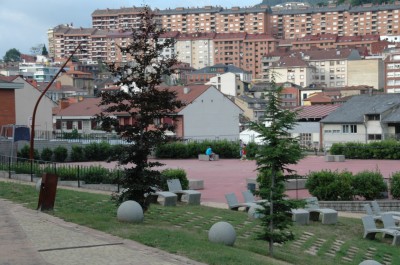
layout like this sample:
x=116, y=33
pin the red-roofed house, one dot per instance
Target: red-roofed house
x=78, y=116
x=7, y=101
x=308, y=128
x=25, y=100
x=208, y=115
x=78, y=79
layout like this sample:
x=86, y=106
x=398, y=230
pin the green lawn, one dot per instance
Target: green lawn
x=183, y=230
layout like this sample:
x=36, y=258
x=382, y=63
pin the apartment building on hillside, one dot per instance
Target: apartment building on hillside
x=327, y=67
x=243, y=50
x=344, y=20
x=196, y=49
x=122, y=18
x=190, y=20
x=392, y=72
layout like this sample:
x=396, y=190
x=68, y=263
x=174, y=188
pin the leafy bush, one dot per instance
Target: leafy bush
x=97, y=151
x=387, y=149
x=369, y=184
x=25, y=167
x=174, y=173
x=60, y=154
x=77, y=153
x=318, y=184
x=330, y=185
x=224, y=148
x=72, y=135
x=97, y=175
x=67, y=173
x=25, y=153
x=46, y=154
x=395, y=185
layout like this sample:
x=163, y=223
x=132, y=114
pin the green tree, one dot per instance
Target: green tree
x=145, y=103
x=278, y=150
x=12, y=55
x=44, y=50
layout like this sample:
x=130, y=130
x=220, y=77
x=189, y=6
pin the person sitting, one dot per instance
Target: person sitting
x=210, y=153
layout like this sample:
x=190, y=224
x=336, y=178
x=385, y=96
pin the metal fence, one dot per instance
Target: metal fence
x=111, y=138
x=77, y=175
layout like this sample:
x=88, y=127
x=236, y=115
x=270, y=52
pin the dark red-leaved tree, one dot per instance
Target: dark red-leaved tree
x=144, y=103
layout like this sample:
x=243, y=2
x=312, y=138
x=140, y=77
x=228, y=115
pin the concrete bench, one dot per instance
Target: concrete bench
x=328, y=216
x=334, y=158
x=203, y=157
x=190, y=196
x=165, y=198
x=300, y=216
x=339, y=158
x=196, y=184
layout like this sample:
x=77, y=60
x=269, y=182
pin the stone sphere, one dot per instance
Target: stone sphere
x=38, y=184
x=370, y=262
x=222, y=232
x=130, y=211
x=253, y=212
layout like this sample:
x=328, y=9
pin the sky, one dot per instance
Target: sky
x=24, y=23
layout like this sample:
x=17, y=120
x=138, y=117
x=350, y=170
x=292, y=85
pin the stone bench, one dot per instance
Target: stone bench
x=334, y=158
x=300, y=216
x=203, y=157
x=196, y=184
x=167, y=198
x=328, y=216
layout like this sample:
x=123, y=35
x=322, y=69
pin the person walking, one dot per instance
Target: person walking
x=244, y=153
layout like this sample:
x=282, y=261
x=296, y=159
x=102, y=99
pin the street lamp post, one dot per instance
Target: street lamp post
x=32, y=142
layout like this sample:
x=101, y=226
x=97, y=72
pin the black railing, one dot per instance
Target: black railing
x=14, y=166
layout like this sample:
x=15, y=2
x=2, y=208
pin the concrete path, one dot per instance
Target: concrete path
x=29, y=237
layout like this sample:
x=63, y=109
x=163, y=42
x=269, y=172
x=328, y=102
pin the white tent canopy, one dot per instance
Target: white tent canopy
x=248, y=136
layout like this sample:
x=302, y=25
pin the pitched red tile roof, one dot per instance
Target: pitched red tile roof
x=89, y=106
x=86, y=107
x=8, y=78
x=315, y=111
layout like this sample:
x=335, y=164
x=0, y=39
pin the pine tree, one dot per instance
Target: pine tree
x=44, y=50
x=145, y=103
x=278, y=151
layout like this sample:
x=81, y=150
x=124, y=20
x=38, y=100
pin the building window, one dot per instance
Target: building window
x=349, y=128
x=373, y=117
x=305, y=140
x=374, y=136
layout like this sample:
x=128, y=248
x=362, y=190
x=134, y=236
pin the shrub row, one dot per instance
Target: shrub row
x=224, y=148
x=336, y=186
x=387, y=149
x=89, y=174
x=91, y=152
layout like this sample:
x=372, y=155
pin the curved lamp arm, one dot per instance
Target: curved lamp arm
x=32, y=142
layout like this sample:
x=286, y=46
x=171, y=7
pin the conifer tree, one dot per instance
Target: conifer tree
x=277, y=151
x=145, y=104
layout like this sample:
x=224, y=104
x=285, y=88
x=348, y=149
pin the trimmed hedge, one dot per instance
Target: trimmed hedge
x=334, y=186
x=174, y=173
x=387, y=149
x=224, y=148
x=395, y=185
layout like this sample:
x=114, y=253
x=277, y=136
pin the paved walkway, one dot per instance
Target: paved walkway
x=229, y=175
x=29, y=237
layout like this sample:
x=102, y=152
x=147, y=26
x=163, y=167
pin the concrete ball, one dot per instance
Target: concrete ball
x=370, y=262
x=130, y=211
x=222, y=232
